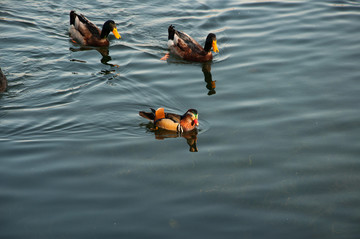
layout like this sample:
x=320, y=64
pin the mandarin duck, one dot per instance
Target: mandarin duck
x=172, y=122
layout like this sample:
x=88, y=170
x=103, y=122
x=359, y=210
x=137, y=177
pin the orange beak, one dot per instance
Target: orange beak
x=116, y=33
x=214, y=46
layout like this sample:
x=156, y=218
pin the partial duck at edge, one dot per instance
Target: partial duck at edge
x=3, y=82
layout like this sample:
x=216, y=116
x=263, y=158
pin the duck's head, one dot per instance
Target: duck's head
x=109, y=26
x=211, y=43
x=193, y=115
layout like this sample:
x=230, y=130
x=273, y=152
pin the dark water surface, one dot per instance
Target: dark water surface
x=278, y=142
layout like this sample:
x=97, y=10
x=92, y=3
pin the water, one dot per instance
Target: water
x=278, y=143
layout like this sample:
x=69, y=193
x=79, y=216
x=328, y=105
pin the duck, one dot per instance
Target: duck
x=185, y=47
x=172, y=122
x=87, y=33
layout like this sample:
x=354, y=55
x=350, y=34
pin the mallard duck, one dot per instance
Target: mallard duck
x=184, y=46
x=172, y=122
x=86, y=33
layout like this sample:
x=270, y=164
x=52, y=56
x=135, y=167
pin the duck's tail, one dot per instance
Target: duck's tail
x=72, y=17
x=153, y=115
x=171, y=31
x=148, y=115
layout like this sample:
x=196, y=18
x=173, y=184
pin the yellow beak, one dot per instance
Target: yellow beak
x=117, y=35
x=214, y=46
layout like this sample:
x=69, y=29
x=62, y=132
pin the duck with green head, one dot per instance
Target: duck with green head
x=185, y=47
x=88, y=34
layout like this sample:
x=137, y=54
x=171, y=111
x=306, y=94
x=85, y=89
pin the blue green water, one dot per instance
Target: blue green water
x=278, y=141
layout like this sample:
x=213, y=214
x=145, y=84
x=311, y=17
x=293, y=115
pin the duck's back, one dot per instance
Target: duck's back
x=190, y=42
x=80, y=24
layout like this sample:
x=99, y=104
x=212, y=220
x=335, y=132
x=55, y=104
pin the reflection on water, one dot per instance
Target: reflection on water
x=210, y=84
x=104, y=52
x=206, y=69
x=160, y=134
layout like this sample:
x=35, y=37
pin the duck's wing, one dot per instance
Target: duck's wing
x=173, y=117
x=81, y=27
x=88, y=27
x=186, y=43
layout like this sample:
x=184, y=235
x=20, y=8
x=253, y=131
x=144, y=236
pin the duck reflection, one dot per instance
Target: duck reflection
x=210, y=84
x=104, y=52
x=161, y=134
